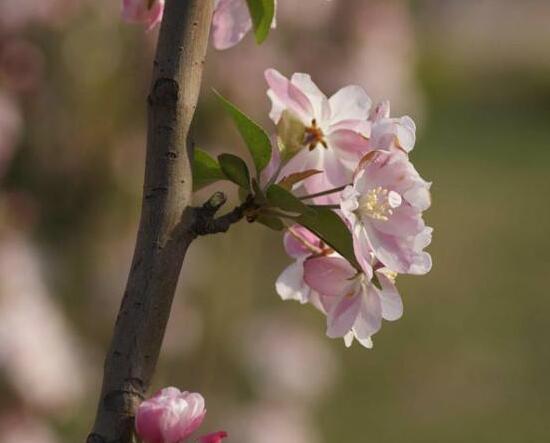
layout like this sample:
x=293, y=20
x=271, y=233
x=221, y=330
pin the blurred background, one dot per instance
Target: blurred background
x=470, y=358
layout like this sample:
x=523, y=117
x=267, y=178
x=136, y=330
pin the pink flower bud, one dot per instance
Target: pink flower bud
x=215, y=437
x=170, y=416
x=148, y=12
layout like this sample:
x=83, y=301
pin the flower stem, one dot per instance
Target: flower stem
x=320, y=194
x=325, y=206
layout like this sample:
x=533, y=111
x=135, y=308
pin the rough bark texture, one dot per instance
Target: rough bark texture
x=166, y=226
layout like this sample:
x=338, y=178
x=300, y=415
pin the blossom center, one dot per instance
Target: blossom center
x=313, y=136
x=378, y=203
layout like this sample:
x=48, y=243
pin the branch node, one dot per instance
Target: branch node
x=205, y=223
x=214, y=203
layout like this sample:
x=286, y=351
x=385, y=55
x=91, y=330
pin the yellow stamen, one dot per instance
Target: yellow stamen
x=378, y=203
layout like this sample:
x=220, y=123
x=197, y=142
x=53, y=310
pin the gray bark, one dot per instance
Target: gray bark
x=167, y=220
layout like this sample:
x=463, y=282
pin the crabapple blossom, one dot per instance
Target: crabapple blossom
x=215, y=437
x=384, y=209
x=148, y=12
x=170, y=416
x=300, y=244
x=272, y=171
x=332, y=129
x=292, y=284
x=355, y=306
x=388, y=133
x=231, y=22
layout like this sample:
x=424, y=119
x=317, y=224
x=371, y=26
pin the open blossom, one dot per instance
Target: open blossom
x=388, y=133
x=148, y=12
x=333, y=139
x=355, y=306
x=170, y=416
x=384, y=209
x=231, y=22
x=325, y=279
x=299, y=244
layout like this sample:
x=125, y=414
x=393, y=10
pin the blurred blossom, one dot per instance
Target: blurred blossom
x=239, y=72
x=10, y=125
x=91, y=57
x=21, y=65
x=15, y=14
x=273, y=423
x=37, y=350
x=231, y=22
x=287, y=360
x=185, y=329
x=318, y=13
x=485, y=35
x=148, y=12
x=20, y=428
x=384, y=53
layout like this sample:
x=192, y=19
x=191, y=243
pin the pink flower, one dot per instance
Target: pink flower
x=355, y=306
x=334, y=131
x=384, y=209
x=299, y=244
x=231, y=22
x=215, y=437
x=148, y=12
x=390, y=133
x=271, y=172
x=170, y=416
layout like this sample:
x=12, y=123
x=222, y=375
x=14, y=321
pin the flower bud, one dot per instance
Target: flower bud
x=170, y=416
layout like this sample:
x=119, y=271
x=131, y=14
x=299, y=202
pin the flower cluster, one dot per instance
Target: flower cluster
x=340, y=154
x=354, y=158
x=171, y=416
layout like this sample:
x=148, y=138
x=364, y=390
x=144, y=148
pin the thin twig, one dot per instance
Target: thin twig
x=205, y=222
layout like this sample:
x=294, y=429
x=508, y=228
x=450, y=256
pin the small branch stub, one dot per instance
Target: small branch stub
x=205, y=223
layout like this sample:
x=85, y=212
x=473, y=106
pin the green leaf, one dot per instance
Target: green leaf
x=235, y=169
x=206, y=170
x=281, y=198
x=330, y=228
x=271, y=222
x=254, y=136
x=262, y=13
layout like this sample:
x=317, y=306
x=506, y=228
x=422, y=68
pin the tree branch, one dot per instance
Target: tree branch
x=167, y=220
x=206, y=224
